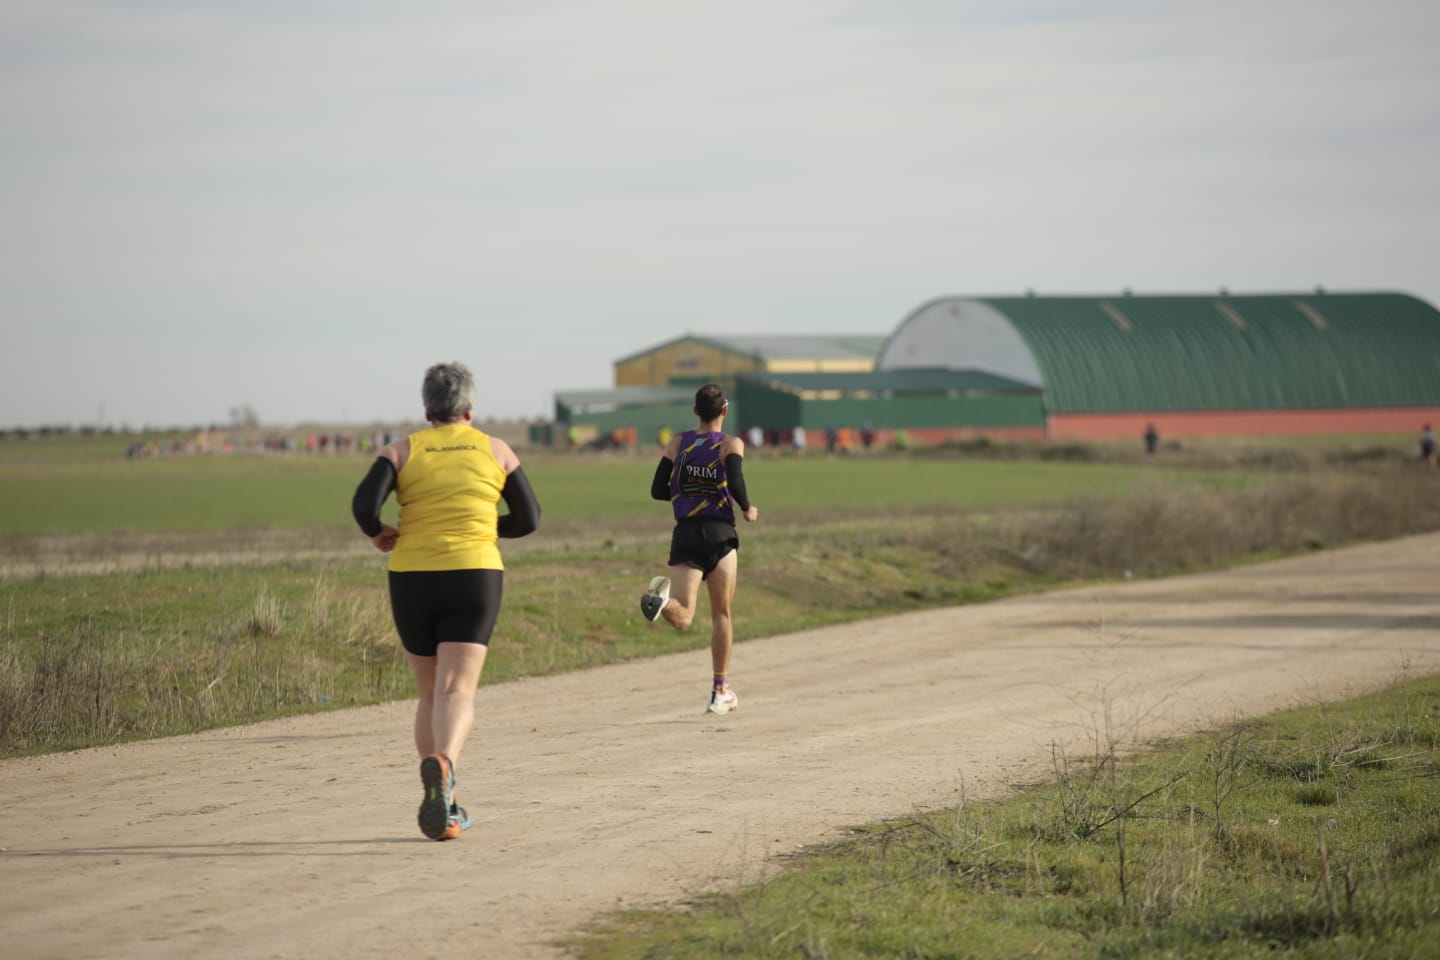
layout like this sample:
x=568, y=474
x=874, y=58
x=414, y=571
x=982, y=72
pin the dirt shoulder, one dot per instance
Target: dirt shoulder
x=610, y=788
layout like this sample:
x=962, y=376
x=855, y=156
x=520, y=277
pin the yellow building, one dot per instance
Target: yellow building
x=692, y=360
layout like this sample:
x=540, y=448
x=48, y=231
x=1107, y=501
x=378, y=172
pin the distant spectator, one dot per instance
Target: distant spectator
x=867, y=436
x=832, y=440
x=662, y=437
x=797, y=441
x=756, y=437
x=1152, y=439
x=1427, y=446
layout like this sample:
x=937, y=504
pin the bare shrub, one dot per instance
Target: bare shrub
x=1226, y=755
x=66, y=692
x=1164, y=529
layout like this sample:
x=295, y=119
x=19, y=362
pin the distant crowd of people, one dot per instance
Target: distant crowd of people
x=224, y=441
x=839, y=441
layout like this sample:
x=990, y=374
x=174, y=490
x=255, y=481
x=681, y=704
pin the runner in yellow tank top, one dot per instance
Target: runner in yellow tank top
x=449, y=492
x=446, y=577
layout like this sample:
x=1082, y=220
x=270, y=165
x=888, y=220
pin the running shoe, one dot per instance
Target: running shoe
x=722, y=701
x=458, y=822
x=438, y=777
x=656, y=596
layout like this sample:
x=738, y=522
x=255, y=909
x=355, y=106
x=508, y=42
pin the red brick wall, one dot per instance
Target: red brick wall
x=1113, y=426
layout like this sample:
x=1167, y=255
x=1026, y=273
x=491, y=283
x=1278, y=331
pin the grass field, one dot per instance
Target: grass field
x=77, y=495
x=83, y=484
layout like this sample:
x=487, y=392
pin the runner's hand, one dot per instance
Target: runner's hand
x=385, y=540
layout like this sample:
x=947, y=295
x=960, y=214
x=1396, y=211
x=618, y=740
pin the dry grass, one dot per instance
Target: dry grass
x=1161, y=530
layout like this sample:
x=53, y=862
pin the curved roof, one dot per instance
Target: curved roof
x=801, y=346
x=1127, y=353
x=798, y=346
x=919, y=380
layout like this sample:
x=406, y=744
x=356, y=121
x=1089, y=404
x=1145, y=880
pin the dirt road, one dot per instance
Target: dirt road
x=610, y=788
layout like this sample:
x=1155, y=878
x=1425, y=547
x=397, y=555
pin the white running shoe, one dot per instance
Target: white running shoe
x=722, y=702
x=656, y=596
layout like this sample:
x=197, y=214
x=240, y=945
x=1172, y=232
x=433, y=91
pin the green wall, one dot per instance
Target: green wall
x=767, y=407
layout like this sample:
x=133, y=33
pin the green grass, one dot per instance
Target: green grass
x=1310, y=834
x=61, y=496
x=92, y=660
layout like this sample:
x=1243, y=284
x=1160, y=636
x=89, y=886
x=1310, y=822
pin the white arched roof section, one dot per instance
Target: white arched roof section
x=959, y=335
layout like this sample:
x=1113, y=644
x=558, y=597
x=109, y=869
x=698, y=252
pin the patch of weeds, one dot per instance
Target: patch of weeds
x=1316, y=795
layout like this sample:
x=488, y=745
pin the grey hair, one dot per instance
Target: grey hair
x=448, y=392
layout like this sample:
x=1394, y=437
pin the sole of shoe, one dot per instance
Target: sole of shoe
x=659, y=590
x=434, y=814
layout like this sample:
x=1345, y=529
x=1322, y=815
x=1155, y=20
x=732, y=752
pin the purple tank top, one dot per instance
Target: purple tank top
x=699, y=487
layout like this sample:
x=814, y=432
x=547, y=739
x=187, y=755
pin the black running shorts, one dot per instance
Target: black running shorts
x=702, y=543
x=432, y=607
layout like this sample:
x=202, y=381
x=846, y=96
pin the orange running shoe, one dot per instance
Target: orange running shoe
x=438, y=777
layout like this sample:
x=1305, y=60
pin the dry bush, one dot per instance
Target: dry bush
x=1160, y=530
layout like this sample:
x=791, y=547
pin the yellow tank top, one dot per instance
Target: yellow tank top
x=449, y=492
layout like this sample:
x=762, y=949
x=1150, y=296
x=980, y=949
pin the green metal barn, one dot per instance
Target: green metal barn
x=1194, y=365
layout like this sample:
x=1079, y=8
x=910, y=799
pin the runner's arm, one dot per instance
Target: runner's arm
x=660, y=485
x=735, y=474
x=524, y=515
x=370, y=496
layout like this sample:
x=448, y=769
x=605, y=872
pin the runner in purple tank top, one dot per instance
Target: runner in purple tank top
x=702, y=476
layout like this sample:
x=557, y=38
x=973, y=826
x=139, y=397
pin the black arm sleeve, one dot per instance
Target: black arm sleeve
x=371, y=494
x=660, y=486
x=524, y=515
x=735, y=477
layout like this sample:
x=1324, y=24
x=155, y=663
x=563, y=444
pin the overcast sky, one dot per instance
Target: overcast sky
x=300, y=204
